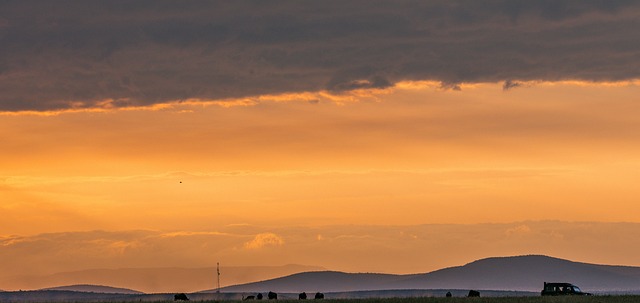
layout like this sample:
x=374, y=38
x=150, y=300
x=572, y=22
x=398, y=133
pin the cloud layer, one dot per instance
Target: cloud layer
x=355, y=248
x=63, y=55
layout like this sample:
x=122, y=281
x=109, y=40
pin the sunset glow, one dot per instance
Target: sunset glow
x=391, y=161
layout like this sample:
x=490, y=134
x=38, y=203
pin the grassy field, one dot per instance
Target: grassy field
x=558, y=299
x=46, y=297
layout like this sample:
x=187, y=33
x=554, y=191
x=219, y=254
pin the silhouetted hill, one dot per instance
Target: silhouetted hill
x=529, y=273
x=156, y=280
x=521, y=273
x=95, y=289
x=63, y=296
x=320, y=281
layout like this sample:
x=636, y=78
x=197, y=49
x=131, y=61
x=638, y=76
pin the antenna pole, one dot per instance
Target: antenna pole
x=218, y=269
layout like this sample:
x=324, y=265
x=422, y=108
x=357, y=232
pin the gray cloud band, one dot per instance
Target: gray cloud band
x=76, y=54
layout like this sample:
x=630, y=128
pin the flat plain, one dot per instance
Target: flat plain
x=551, y=299
x=540, y=299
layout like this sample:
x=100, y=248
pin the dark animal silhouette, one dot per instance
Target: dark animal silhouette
x=319, y=295
x=302, y=296
x=259, y=296
x=180, y=297
x=473, y=293
x=272, y=296
x=448, y=295
x=248, y=298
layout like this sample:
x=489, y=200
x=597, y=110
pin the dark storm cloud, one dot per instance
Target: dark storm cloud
x=64, y=54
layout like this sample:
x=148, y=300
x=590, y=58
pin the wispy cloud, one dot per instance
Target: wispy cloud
x=416, y=248
x=193, y=233
x=264, y=240
x=518, y=230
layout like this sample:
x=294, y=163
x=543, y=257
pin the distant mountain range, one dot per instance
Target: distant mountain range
x=95, y=289
x=63, y=296
x=156, y=280
x=520, y=273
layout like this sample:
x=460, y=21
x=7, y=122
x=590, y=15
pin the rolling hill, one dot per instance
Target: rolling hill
x=95, y=289
x=326, y=281
x=156, y=280
x=529, y=273
x=503, y=274
x=64, y=296
x=521, y=273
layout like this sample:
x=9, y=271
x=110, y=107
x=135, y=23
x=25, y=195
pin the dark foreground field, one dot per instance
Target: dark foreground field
x=458, y=297
x=560, y=299
x=565, y=299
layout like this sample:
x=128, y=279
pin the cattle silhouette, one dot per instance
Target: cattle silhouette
x=272, y=296
x=302, y=296
x=259, y=296
x=248, y=298
x=448, y=295
x=180, y=297
x=473, y=293
x=319, y=295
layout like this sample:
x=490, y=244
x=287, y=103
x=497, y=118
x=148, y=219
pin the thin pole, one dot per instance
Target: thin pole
x=218, y=269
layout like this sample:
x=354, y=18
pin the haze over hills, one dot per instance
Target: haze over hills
x=325, y=281
x=519, y=273
x=529, y=273
x=522, y=273
x=95, y=289
x=156, y=280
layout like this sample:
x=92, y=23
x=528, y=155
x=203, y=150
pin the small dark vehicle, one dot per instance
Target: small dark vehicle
x=562, y=289
x=180, y=297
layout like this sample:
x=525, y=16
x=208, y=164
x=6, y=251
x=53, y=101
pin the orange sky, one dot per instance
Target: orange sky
x=399, y=137
x=410, y=155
